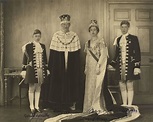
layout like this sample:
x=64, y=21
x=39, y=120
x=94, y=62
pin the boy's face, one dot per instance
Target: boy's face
x=124, y=28
x=37, y=37
x=65, y=26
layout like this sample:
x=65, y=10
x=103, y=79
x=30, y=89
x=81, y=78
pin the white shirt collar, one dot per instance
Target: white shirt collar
x=38, y=47
x=125, y=34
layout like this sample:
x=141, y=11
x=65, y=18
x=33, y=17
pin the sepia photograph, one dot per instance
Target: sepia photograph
x=76, y=60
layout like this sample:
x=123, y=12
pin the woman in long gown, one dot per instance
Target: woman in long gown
x=96, y=61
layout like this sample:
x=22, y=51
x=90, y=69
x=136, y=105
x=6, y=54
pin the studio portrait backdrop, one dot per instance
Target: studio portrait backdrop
x=20, y=17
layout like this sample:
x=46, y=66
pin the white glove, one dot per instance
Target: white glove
x=109, y=67
x=137, y=71
x=48, y=72
x=98, y=69
x=23, y=74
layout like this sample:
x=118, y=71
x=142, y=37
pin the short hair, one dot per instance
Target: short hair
x=125, y=22
x=37, y=31
x=96, y=28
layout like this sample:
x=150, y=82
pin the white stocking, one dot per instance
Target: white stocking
x=37, y=96
x=31, y=100
x=31, y=95
x=130, y=92
x=123, y=92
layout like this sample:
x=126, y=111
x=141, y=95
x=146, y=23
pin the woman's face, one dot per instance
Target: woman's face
x=37, y=37
x=93, y=31
x=124, y=28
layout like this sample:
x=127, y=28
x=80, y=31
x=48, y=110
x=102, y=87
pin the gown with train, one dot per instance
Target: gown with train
x=96, y=54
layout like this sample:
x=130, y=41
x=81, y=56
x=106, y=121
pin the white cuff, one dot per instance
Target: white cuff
x=137, y=71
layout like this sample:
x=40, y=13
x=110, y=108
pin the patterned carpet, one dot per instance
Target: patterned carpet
x=15, y=114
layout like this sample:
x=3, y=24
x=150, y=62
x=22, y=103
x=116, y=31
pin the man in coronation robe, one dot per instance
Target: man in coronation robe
x=64, y=65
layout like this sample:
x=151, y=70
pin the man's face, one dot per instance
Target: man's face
x=37, y=37
x=65, y=26
x=124, y=28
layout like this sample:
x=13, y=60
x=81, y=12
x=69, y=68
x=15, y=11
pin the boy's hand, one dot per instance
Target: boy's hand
x=137, y=71
x=48, y=72
x=109, y=67
x=23, y=74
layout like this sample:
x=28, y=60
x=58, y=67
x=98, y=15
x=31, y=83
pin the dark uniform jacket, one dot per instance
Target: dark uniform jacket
x=29, y=63
x=133, y=58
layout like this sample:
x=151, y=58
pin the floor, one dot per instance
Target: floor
x=13, y=113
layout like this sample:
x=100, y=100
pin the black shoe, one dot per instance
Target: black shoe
x=39, y=110
x=33, y=112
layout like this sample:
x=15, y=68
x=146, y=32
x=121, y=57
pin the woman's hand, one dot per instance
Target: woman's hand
x=98, y=69
x=85, y=71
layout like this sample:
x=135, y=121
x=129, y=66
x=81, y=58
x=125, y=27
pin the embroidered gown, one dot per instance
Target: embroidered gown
x=64, y=65
x=93, y=84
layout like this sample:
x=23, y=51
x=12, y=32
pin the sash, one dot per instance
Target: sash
x=93, y=55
